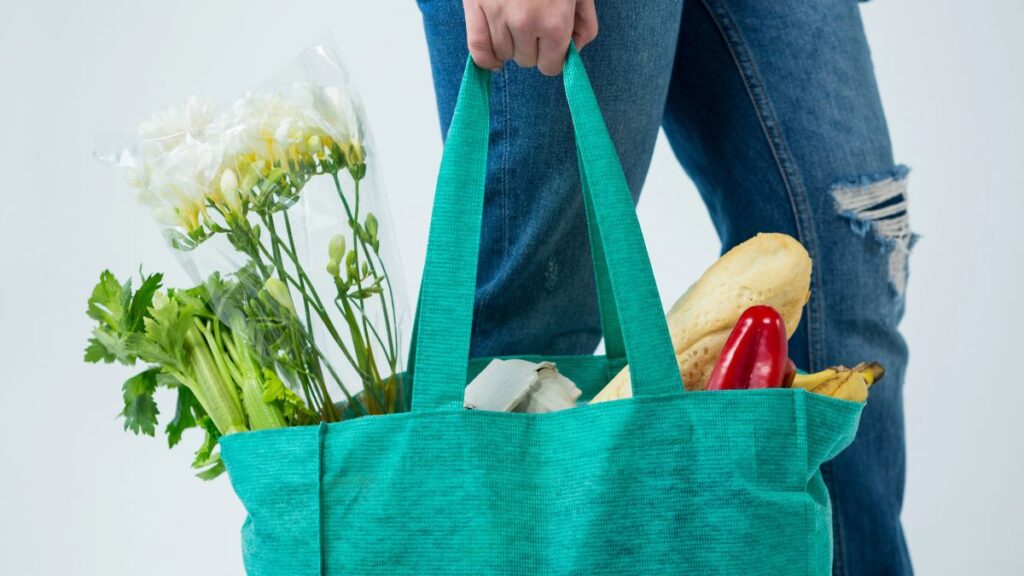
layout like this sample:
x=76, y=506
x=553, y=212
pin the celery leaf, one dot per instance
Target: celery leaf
x=140, y=409
x=185, y=416
x=207, y=461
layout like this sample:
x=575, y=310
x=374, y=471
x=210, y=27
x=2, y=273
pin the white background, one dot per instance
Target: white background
x=80, y=496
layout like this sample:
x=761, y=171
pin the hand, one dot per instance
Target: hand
x=532, y=32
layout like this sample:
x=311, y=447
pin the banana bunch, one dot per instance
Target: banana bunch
x=842, y=382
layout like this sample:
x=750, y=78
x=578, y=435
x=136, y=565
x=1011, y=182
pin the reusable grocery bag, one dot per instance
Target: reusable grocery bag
x=666, y=482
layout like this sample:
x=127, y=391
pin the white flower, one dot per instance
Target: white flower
x=189, y=156
x=179, y=182
x=329, y=109
x=168, y=129
x=276, y=126
x=262, y=125
x=179, y=158
x=229, y=191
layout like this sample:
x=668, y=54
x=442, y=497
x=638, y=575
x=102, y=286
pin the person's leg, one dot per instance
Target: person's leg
x=774, y=112
x=535, y=288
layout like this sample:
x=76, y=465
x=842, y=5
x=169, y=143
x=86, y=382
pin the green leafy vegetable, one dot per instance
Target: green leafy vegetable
x=186, y=415
x=207, y=461
x=223, y=374
x=140, y=409
x=118, y=313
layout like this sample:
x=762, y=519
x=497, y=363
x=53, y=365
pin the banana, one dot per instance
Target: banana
x=872, y=371
x=812, y=381
x=842, y=382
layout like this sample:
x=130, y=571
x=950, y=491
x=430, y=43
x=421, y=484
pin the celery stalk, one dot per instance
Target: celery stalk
x=217, y=395
x=250, y=380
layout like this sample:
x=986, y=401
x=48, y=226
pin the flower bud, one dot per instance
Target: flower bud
x=274, y=175
x=350, y=265
x=337, y=156
x=356, y=156
x=333, y=268
x=250, y=177
x=278, y=290
x=336, y=250
x=314, y=144
x=229, y=191
x=371, y=226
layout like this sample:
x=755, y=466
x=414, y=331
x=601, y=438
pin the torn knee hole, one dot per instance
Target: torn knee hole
x=877, y=204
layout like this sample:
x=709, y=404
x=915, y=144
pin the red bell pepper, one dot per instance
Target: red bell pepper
x=756, y=354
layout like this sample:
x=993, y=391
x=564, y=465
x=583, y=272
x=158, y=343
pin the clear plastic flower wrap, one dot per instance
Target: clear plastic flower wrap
x=274, y=205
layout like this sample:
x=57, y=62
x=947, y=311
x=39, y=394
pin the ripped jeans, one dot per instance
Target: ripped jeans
x=773, y=111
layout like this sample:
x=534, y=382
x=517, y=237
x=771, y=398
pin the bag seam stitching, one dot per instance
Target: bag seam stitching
x=321, y=439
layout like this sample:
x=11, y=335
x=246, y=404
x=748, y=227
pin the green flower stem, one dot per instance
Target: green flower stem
x=275, y=257
x=271, y=257
x=357, y=240
x=268, y=221
x=363, y=352
x=260, y=414
x=319, y=356
x=314, y=299
x=233, y=221
x=321, y=313
x=391, y=347
x=324, y=394
x=330, y=369
x=327, y=406
x=383, y=345
x=291, y=243
x=319, y=309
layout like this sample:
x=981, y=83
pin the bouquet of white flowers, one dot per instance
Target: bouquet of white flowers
x=274, y=206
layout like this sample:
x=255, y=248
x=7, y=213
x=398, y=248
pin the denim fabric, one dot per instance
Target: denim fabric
x=773, y=111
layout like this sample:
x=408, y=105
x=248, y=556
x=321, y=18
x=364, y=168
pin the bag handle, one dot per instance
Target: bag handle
x=445, y=308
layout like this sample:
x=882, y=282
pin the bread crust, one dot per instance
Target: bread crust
x=770, y=268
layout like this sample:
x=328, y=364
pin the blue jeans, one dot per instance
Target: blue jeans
x=773, y=111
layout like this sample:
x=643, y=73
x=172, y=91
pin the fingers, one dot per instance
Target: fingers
x=551, y=55
x=525, y=49
x=501, y=40
x=585, y=23
x=531, y=32
x=478, y=37
x=542, y=36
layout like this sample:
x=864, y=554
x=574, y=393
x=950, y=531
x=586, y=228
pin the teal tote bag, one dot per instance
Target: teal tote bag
x=666, y=482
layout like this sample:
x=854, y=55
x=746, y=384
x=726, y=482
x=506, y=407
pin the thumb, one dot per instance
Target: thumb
x=478, y=37
x=585, y=24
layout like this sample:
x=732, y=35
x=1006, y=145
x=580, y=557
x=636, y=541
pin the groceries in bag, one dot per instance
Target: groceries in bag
x=734, y=322
x=730, y=331
x=521, y=386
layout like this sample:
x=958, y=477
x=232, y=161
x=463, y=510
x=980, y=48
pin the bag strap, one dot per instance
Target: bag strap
x=614, y=348
x=445, y=309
